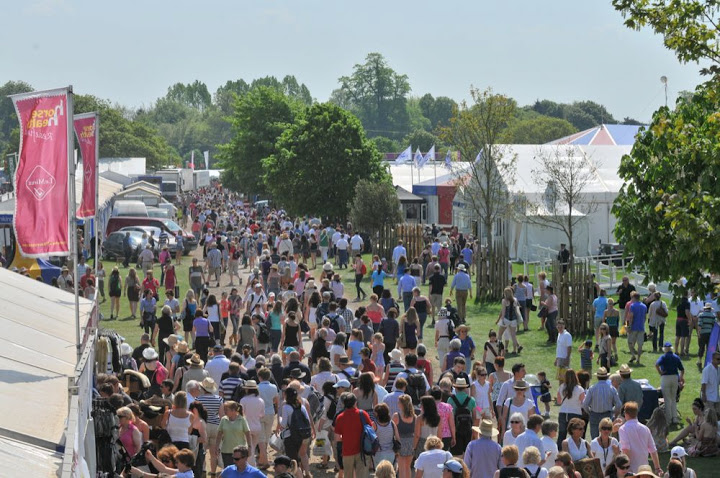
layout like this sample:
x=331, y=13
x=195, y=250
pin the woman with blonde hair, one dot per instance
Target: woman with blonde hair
x=509, y=456
x=179, y=421
x=531, y=462
x=405, y=422
x=509, y=318
x=605, y=446
x=410, y=330
x=129, y=434
x=385, y=469
x=426, y=465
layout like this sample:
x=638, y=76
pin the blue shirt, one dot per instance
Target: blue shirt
x=355, y=346
x=670, y=364
x=639, y=311
x=406, y=284
x=466, y=346
x=461, y=281
x=482, y=456
x=434, y=248
x=249, y=472
x=467, y=255
x=378, y=278
x=600, y=305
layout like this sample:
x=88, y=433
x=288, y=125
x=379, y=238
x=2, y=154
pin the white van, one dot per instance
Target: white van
x=129, y=208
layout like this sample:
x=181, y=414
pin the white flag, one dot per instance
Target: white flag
x=418, y=158
x=478, y=158
x=428, y=157
x=405, y=156
x=207, y=159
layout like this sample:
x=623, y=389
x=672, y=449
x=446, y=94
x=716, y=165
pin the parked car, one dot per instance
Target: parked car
x=112, y=246
x=158, y=212
x=156, y=234
x=167, y=225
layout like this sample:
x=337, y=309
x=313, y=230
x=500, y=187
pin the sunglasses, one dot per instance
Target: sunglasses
x=236, y=458
x=626, y=467
x=514, y=421
x=607, y=429
x=483, y=375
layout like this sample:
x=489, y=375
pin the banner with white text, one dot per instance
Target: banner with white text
x=87, y=135
x=41, y=218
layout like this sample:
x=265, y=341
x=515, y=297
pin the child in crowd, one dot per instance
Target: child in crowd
x=366, y=363
x=378, y=351
x=586, y=356
x=545, y=395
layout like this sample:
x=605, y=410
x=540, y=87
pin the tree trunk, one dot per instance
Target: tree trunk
x=488, y=231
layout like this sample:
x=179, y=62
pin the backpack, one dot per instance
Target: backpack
x=299, y=423
x=370, y=442
x=363, y=269
x=451, y=328
x=316, y=404
x=334, y=324
x=236, y=254
x=332, y=408
x=463, y=422
x=263, y=334
x=534, y=475
x=415, y=386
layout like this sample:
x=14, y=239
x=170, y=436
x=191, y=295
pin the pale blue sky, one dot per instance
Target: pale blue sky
x=131, y=51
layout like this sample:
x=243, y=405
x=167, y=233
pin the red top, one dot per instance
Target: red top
x=151, y=284
x=425, y=366
x=349, y=425
x=368, y=365
x=444, y=255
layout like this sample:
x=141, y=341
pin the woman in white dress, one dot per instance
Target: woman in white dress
x=519, y=403
x=481, y=391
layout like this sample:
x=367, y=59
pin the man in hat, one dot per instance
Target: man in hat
x=256, y=299
x=672, y=373
x=195, y=371
x=460, y=399
x=710, y=383
x=629, y=390
x=636, y=441
x=601, y=401
x=295, y=364
x=64, y=279
x=218, y=364
x=146, y=258
x=444, y=258
x=215, y=410
x=705, y=323
x=482, y=456
x=463, y=285
x=282, y=465
x=347, y=370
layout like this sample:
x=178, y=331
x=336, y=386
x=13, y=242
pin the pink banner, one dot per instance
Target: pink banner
x=41, y=216
x=86, y=131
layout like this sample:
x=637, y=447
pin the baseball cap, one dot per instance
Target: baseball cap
x=678, y=452
x=451, y=465
x=342, y=383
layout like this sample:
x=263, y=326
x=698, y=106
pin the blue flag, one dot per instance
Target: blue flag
x=405, y=156
x=418, y=158
x=448, y=160
x=428, y=157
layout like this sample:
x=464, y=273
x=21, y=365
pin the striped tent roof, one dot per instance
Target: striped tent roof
x=603, y=135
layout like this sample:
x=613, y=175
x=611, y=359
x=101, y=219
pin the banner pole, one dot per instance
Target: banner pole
x=97, y=193
x=72, y=204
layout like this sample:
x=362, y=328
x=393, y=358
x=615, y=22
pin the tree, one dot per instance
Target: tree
x=377, y=95
x=375, y=206
x=416, y=118
x=438, y=110
x=690, y=27
x=121, y=136
x=226, y=95
x=421, y=139
x=537, y=130
x=476, y=129
x=564, y=172
x=318, y=161
x=667, y=210
x=10, y=142
x=260, y=118
x=195, y=95
x=386, y=145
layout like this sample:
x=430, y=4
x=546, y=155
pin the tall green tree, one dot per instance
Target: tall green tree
x=9, y=142
x=375, y=206
x=260, y=118
x=318, y=161
x=195, y=95
x=438, y=110
x=478, y=126
x=422, y=139
x=377, y=95
x=667, y=210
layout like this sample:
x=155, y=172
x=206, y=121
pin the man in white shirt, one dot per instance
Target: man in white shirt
x=710, y=383
x=356, y=244
x=397, y=252
x=506, y=389
x=563, y=350
x=218, y=365
x=530, y=437
x=342, y=250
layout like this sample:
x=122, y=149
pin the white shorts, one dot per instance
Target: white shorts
x=510, y=323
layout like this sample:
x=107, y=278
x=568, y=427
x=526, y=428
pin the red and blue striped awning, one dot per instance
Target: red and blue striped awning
x=603, y=135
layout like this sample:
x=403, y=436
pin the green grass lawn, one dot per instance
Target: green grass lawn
x=537, y=355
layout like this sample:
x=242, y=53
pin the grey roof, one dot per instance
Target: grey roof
x=406, y=196
x=116, y=177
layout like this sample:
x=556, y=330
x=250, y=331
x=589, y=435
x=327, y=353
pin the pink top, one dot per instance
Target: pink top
x=127, y=439
x=637, y=441
x=375, y=316
x=445, y=411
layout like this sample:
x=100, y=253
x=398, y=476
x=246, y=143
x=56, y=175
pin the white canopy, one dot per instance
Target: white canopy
x=37, y=355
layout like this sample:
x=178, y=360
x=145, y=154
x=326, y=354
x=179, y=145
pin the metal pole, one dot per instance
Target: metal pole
x=72, y=204
x=97, y=193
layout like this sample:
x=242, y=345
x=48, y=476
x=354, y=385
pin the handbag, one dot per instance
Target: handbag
x=322, y=447
x=543, y=312
x=396, y=445
x=304, y=327
x=533, y=307
x=277, y=444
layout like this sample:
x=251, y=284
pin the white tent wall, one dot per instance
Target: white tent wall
x=529, y=242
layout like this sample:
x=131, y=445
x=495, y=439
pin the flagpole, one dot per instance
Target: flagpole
x=97, y=192
x=72, y=204
x=435, y=170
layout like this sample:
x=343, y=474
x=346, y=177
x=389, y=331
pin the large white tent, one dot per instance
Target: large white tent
x=37, y=355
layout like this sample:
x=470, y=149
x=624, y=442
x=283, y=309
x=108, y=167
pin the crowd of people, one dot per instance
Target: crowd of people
x=282, y=364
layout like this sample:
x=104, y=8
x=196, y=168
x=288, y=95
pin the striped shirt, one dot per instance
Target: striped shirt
x=602, y=397
x=228, y=386
x=212, y=405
